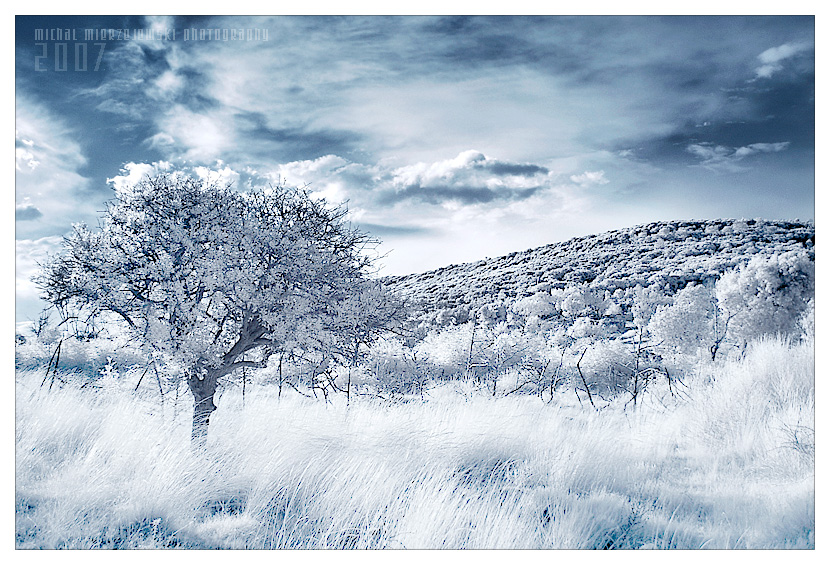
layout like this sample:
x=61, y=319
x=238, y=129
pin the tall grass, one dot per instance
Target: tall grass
x=730, y=465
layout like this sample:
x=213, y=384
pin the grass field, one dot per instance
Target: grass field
x=727, y=464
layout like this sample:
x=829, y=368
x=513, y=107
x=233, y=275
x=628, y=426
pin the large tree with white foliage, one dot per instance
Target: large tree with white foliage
x=216, y=279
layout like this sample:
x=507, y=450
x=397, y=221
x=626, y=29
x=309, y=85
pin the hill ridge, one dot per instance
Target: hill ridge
x=669, y=253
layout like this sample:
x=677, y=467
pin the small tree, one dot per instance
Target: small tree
x=687, y=324
x=767, y=296
x=368, y=312
x=213, y=279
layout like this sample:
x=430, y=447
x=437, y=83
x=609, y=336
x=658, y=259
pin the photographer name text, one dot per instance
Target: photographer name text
x=186, y=34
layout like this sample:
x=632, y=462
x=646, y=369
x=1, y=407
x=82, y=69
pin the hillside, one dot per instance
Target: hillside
x=667, y=254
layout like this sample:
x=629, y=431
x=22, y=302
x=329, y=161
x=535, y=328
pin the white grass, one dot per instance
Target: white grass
x=731, y=466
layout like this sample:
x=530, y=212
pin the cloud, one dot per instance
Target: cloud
x=167, y=85
x=755, y=148
x=48, y=159
x=501, y=168
x=589, y=178
x=159, y=25
x=725, y=159
x=771, y=59
x=224, y=176
x=471, y=199
x=455, y=195
x=26, y=158
x=301, y=172
x=469, y=178
x=381, y=230
x=29, y=255
x=26, y=211
x=330, y=177
x=133, y=173
x=418, y=89
x=198, y=136
x=120, y=108
x=161, y=141
x=288, y=141
x=465, y=164
x=382, y=113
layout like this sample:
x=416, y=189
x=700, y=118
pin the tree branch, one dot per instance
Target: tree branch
x=227, y=369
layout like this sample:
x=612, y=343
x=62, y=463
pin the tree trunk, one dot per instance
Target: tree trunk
x=203, y=391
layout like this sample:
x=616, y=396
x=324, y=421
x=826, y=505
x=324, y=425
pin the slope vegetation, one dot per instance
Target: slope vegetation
x=667, y=254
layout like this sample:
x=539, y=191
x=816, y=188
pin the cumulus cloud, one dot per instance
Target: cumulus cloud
x=469, y=178
x=222, y=176
x=329, y=176
x=310, y=170
x=725, y=159
x=465, y=162
x=772, y=59
x=133, y=173
x=415, y=209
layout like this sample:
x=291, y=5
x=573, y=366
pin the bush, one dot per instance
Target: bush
x=767, y=296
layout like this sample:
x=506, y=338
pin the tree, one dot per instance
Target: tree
x=687, y=323
x=768, y=295
x=212, y=278
x=368, y=312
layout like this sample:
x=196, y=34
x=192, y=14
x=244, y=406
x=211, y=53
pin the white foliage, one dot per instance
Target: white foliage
x=218, y=280
x=645, y=303
x=685, y=325
x=540, y=304
x=768, y=295
x=447, y=349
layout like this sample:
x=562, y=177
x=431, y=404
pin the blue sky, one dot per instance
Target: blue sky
x=451, y=138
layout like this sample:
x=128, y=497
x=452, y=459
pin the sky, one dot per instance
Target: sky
x=450, y=139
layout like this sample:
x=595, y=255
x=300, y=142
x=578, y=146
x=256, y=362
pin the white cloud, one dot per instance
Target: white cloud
x=166, y=86
x=589, y=178
x=200, y=137
x=771, y=59
x=324, y=176
x=29, y=254
x=47, y=178
x=469, y=177
x=160, y=25
x=446, y=171
x=725, y=159
x=469, y=173
x=133, y=173
x=121, y=108
x=26, y=158
x=224, y=176
x=313, y=170
x=160, y=141
x=754, y=148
